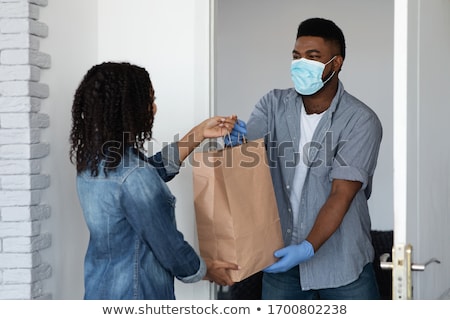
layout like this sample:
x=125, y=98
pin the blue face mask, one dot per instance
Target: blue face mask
x=307, y=75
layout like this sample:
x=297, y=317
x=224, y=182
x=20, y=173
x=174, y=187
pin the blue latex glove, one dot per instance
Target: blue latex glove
x=237, y=134
x=291, y=256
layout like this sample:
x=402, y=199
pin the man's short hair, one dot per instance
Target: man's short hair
x=327, y=29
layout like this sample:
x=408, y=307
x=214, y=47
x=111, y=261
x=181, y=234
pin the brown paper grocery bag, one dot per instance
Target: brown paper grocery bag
x=236, y=211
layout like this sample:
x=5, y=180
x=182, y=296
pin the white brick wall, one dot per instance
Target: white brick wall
x=22, y=270
x=24, y=56
x=19, y=104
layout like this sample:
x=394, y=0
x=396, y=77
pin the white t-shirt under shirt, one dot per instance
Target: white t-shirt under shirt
x=308, y=124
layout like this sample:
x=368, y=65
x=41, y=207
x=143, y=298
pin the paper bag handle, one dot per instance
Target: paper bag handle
x=244, y=139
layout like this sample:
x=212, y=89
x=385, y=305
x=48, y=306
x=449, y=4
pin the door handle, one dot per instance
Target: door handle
x=421, y=267
x=386, y=265
x=402, y=267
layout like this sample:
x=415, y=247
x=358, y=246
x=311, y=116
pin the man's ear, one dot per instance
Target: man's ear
x=338, y=62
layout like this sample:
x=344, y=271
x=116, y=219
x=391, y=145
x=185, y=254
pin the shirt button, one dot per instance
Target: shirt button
x=287, y=186
x=288, y=230
x=289, y=210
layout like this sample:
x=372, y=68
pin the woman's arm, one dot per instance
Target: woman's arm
x=211, y=128
x=168, y=161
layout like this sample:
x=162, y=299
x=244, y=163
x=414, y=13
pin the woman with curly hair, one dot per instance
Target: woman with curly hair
x=135, y=250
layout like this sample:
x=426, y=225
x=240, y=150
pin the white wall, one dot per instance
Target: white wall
x=72, y=44
x=254, y=43
x=175, y=52
x=171, y=40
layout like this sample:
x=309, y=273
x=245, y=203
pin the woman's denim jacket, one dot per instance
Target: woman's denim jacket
x=135, y=249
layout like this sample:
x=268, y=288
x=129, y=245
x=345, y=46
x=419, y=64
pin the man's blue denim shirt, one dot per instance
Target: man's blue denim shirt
x=135, y=249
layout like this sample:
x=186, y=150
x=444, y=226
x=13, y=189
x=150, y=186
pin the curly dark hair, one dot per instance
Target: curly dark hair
x=111, y=111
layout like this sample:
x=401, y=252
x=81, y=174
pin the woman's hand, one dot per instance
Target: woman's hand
x=217, y=271
x=217, y=126
x=210, y=128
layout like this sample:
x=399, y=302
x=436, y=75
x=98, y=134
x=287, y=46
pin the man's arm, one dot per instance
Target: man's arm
x=327, y=222
x=333, y=211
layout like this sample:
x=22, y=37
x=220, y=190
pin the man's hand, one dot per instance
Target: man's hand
x=218, y=271
x=290, y=257
x=237, y=134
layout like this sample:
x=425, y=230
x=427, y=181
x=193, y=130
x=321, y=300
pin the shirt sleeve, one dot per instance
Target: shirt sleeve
x=149, y=208
x=357, y=151
x=166, y=162
x=257, y=125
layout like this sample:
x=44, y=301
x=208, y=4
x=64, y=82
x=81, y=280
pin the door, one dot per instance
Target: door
x=421, y=150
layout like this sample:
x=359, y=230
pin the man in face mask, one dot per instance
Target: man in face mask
x=322, y=146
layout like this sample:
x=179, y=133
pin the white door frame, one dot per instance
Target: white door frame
x=400, y=119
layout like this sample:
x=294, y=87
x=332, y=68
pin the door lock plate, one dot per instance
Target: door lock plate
x=401, y=273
